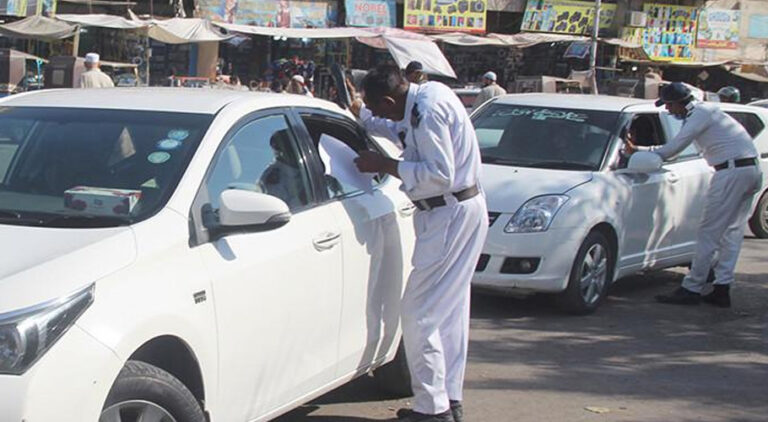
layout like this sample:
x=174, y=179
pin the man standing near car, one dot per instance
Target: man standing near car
x=727, y=147
x=490, y=90
x=440, y=173
x=94, y=77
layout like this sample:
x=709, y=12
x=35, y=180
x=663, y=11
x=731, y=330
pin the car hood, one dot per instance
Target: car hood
x=507, y=188
x=38, y=264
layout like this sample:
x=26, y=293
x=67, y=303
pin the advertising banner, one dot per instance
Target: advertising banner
x=758, y=26
x=446, y=15
x=371, y=13
x=565, y=17
x=670, y=32
x=718, y=29
x=280, y=14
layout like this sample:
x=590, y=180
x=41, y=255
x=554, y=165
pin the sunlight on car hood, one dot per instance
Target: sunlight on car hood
x=507, y=188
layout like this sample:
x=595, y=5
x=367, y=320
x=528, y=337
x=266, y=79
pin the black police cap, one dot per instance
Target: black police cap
x=673, y=93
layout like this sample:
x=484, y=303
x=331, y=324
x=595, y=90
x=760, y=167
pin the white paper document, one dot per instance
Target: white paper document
x=339, y=161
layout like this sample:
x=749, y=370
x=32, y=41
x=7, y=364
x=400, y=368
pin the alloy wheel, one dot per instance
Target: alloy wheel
x=593, y=273
x=135, y=411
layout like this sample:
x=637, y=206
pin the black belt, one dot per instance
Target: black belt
x=438, y=201
x=741, y=162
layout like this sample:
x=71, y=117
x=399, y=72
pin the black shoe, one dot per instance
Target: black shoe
x=719, y=297
x=408, y=415
x=681, y=296
x=458, y=411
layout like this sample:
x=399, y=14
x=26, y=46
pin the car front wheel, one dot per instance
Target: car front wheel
x=590, y=275
x=146, y=393
x=759, y=221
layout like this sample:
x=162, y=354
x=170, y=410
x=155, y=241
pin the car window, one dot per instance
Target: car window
x=672, y=127
x=262, y=156
x=751, y=122
x=346, y=131
x=546, y=137
x=87, y=167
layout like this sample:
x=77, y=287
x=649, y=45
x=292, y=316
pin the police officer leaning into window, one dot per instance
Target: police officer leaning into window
x=727, y=147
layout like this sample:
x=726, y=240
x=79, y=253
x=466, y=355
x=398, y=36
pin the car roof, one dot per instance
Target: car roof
x=182, y=100
x=575, y=101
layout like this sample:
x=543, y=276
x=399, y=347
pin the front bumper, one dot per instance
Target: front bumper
x=69, y=383
x=556, y=249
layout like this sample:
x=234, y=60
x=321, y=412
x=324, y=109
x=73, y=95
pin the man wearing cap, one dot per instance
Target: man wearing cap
x=440, y=172
x=414, y=72
x=298, y=86
x=93, y=77
x=490, y=90
x=728, y=148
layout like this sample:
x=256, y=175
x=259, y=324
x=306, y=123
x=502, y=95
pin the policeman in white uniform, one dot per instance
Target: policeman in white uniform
x=727, y=147
x=440, y=172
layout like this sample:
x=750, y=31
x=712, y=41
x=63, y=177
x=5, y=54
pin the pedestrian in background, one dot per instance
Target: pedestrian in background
x=414, y=72
x=93, y=77
x=490, y=90
x=728, y=148
x=440, y=172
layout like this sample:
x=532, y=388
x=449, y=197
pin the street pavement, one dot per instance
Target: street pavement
x=633, y=360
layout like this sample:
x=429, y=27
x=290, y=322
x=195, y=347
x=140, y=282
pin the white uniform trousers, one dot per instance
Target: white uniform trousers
x=721, y=231
x=435, y=306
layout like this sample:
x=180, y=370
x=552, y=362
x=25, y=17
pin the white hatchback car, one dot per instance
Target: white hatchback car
x=567, y=216
x=182, y=255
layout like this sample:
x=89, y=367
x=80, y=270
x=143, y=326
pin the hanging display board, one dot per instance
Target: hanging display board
x=281, y=14
x=718, y=29
x=566, y=17
x=670, y=32
x=446, y=15
x=371, y=13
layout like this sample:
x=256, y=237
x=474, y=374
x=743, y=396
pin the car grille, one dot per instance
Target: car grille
x=492, y=216
x=482, y=263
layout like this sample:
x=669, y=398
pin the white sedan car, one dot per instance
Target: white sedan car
x=183, y=255
x=567, y=216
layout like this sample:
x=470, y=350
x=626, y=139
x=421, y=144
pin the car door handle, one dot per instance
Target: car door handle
x=406, y=209
x=326, y=240
x=672, y=178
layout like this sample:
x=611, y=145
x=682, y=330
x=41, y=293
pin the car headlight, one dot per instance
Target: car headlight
x=535, y=215
x=26, y=334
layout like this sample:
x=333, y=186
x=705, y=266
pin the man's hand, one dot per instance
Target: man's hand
x=355, y=107
x=629, y=147
x=373, y=162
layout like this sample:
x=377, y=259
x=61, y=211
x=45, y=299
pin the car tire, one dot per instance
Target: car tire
x=588, y=281
x=758, y=223
x=394, y=377
x=146, y=391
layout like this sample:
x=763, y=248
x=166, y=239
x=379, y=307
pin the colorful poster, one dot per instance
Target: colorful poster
x=565, y=17
x=445, y=15
x=281, y=14
x=718, y=29
x=15, y=8
x=371, y=13
x=670, y=32
x=758, y=26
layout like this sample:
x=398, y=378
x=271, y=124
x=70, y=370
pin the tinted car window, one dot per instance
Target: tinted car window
x=546, y=137
x=87, y=167
x=753, y=124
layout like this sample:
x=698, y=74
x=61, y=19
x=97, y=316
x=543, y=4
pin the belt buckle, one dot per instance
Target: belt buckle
x=422, y=205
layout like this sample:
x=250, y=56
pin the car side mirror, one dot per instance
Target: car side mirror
x=643, y=162
x=242, y=210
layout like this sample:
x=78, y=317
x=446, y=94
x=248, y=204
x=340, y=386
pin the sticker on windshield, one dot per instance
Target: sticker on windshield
x=168, y=143
x=158, y=157
x=178, y=134
x=542, y=114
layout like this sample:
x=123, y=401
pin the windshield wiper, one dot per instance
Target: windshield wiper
x=9, y=214
x=564, y=165
x=85, y=221
x=17, y=218
x=490, y=159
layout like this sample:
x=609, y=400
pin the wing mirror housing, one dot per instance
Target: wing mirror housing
x=248, y=211
x=643, y=162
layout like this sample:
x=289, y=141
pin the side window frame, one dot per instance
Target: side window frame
x=747, y=114
x=198, y=231
x=313, y=155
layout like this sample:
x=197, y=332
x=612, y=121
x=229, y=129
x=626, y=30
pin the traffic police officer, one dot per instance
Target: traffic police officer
x=440, y=172
x=727, y=147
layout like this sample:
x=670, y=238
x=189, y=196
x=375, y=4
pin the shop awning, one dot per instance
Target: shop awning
x=343, y=32
x=185, y=30
x=102, y=21
x=458, y=38
x=375, y=36
x=529, y=39
x=38, y=28
x=405, y=50
x=754, y=77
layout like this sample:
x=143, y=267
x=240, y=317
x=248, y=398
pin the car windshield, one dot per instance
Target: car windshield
x=62, y=167
x=544, y=137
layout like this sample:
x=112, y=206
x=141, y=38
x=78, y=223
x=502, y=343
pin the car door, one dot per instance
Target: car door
x=648, y=216
x=277, y=292
x=373, y=233
x=689, y=176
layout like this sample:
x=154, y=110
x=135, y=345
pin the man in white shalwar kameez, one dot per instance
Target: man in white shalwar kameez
x=440, y=173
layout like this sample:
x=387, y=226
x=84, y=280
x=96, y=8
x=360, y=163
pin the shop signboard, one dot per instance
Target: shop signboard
x=282, y=14
x=446, y=15
x=669, y=34
x=718, y=29
x=371, y=13
x=758, y=26
x=565, y=16
x=27, y=7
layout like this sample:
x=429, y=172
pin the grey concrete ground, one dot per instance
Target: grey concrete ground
x=633, y=360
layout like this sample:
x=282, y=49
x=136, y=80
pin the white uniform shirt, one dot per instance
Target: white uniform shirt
x=718, y=136
x=441, y=153
x=95, y=78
